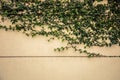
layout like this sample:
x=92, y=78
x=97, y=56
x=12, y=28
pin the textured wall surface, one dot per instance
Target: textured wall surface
x=17, y=44
x=60, y=69
x=52, y=68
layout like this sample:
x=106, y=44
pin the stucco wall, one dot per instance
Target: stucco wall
x=60, y=69
x=52, y=68
x=18, y=44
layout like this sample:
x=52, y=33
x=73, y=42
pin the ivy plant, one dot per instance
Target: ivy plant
x=74, y=21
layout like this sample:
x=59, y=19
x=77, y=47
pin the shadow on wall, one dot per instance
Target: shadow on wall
x=1, y=78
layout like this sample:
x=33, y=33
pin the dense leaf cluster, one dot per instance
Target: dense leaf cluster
x=74, y=21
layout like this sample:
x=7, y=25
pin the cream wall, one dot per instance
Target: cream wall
x=60, y=69
x=17, y=44
x=52, y=68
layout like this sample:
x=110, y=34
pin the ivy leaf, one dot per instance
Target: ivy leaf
x=99, y=0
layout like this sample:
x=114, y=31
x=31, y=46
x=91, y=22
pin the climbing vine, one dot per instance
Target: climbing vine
x=76, y=22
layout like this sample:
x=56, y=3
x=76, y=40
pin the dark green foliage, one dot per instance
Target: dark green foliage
x=72, y=21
